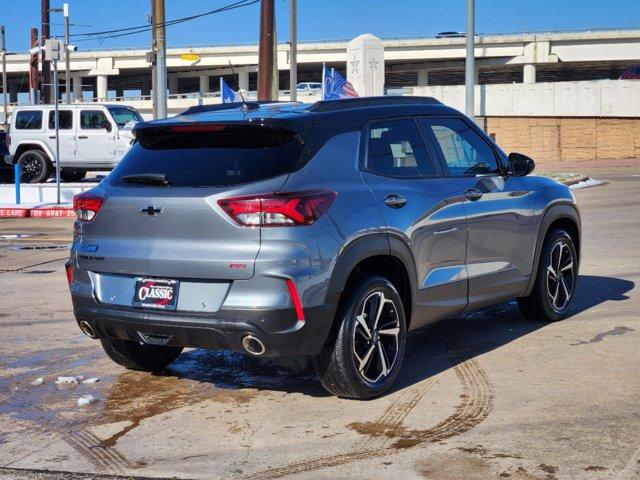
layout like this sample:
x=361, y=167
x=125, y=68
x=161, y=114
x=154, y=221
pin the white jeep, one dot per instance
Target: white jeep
x=93, y=136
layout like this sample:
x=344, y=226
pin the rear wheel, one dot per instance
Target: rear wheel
x=34, y=166
x=364, y=356
x=139, y=356
x=556, y=280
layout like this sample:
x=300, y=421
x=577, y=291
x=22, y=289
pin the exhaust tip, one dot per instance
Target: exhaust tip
x=87, y=329
x=253, y=345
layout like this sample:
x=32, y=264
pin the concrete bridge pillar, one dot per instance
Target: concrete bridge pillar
x=243, y=80
x=173, y=85
x=13, y=92
x=529, y=74
x=102, y=87
x=204, y=83
x=145, y=87
x=119, y=90
x=423, y=78
x=77, y=88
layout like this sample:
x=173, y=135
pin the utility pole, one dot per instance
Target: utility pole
x=33, y=68
x=46, y=68
x=470, y=62
x=293, y=49
x=266, y=50
x=67, y=62
x=4, y=76
x=160, y=67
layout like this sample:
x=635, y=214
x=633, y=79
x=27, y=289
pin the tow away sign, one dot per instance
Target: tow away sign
x=190, y=57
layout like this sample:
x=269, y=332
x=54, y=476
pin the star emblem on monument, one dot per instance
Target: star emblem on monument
x=373, y=64
x=354, y=66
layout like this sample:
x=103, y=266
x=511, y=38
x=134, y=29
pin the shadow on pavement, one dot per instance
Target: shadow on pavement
x=430, y=350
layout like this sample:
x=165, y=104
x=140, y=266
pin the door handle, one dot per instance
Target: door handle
x=395, y=201
x=473, y=194
x=82, y=137
x=445, y=230
x=52, y=137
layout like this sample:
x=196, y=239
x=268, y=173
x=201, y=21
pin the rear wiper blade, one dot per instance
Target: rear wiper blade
x=147, y=179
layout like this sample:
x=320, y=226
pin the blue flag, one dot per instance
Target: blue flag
x=226, y=94
x=335, y=86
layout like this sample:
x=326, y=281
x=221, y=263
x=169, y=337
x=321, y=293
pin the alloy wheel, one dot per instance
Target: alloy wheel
x=560, y=276
x=31, y=167
x=375, y=337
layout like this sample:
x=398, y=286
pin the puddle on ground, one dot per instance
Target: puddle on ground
x=15, y=236
x=18, y=248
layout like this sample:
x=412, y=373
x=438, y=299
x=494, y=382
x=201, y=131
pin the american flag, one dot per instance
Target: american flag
x=336, y=86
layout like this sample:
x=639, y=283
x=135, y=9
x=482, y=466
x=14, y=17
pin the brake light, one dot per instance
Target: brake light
x=86, y=205
x=69, y=270
x=295, y=299
x=278, y=209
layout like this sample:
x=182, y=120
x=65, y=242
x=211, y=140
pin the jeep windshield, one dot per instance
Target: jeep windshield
x=124, y=115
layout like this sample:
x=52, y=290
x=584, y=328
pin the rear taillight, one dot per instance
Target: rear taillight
x=69, y=270
x=278, y=209
x=86, y=205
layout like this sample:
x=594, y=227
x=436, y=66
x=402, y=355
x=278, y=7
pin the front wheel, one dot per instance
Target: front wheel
x=364, y=356
x=556, y=280
x=139, y=356
x=35, y=167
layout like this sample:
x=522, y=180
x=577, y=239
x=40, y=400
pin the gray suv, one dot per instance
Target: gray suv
x=327, y=230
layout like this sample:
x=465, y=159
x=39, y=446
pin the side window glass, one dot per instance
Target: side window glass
x=396, y=149
x=29, y=120
x=464, y=151
x=65, y=120
x=93, y=120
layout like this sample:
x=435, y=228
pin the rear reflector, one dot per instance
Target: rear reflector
x=86, y=205
x=278, y=209
x=69, y=270
x=295, y=298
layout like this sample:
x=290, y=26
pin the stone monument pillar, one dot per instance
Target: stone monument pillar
x=365, y=65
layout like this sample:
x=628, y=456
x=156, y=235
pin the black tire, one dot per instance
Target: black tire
x=336, y=364
x=72, y=174
x=34, y=166
x=139, y=356
x=540, y=304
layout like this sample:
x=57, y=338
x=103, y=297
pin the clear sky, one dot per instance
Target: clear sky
x=318, y=19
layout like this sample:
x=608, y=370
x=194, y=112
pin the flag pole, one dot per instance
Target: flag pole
x=324, y=68
x=221, y=91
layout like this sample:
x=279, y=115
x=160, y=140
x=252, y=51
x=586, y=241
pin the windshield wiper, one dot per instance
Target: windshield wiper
x=159, y=179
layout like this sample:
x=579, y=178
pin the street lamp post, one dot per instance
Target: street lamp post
x=4, y=76
x=470, y=61
x=293, y=49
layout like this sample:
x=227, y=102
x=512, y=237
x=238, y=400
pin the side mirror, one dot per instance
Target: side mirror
x=107, y=126
x=520, y=165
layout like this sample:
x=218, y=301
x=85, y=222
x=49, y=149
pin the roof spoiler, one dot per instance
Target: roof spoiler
x=228, y=106
x=362, y=102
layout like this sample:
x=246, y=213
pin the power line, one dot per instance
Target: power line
x=123, y=32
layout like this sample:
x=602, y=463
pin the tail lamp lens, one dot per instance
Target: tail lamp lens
x=69, y=270
x=86, y=205
x=278, y=209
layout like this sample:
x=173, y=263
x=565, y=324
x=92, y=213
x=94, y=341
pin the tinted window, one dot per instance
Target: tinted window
x=93, y=120
x=464, y=151
x=123, y=115
x=395, y=148
x=29, y=120
x=232, y=156
x=65, y=119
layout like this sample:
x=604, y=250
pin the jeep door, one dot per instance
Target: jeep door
x=420, y=207
x=67, y=134
x=96, y=137
x=498, y=207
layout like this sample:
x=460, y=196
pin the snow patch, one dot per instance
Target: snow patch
x=67, y=380
x=91, y=380
x=38, y=381
x=589, y=182
x=86, y=400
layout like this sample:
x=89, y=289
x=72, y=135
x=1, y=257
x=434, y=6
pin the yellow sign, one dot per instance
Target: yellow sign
x=190, y=57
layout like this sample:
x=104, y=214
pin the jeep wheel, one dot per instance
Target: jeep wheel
x=34, y=166
x=363, y=358
x=556, y=280
x=139, y=356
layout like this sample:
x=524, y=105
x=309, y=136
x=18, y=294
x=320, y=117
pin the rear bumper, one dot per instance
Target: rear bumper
x=223, y=330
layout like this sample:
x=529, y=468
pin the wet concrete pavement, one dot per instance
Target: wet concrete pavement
x=492, y=395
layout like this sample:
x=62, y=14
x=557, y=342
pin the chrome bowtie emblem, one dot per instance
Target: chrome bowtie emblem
x=151, y=210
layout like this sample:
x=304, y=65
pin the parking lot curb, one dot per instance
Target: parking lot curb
x=46, y=211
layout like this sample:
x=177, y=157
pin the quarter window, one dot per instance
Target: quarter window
x=65, y=120
x=396, y=149
x=464, y=151
x=29, y=120
x=93, y=120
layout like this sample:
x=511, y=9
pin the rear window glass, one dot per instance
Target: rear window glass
x=29, y=120
x=193, y=158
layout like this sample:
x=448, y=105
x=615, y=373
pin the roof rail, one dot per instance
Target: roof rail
x=217, y=107
x=362, y=102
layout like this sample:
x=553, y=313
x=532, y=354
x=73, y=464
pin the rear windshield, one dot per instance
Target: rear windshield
x=231, y=156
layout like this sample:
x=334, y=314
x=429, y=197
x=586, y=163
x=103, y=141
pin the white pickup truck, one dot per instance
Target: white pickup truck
x=93, y=136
